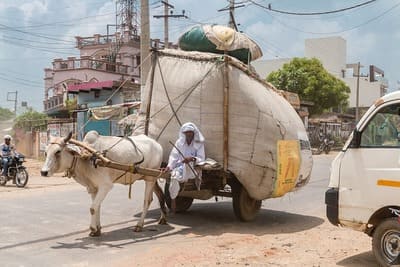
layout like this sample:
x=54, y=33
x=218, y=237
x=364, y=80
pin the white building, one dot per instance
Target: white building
x=332, y=52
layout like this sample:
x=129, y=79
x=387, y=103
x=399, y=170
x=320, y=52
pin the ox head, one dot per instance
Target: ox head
x=58, y=156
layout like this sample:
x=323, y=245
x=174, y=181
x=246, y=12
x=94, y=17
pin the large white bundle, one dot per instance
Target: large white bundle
x=259, y=119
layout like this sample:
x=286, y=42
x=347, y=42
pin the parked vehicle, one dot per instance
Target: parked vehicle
x=364, y=186
x=326, y=145
x=16, y=171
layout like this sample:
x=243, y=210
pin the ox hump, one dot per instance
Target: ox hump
x=91, y=137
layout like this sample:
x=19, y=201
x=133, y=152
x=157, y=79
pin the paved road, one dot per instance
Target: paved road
x=47, y=225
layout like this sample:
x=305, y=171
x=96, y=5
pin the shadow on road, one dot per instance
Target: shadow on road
x=218, y=218
x=202, y=219
x=365, y=259
x=118, y=238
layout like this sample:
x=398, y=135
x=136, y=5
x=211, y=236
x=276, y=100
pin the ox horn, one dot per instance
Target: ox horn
x=68, y=137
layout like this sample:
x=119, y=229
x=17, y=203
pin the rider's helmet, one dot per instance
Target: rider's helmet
x=7, y=137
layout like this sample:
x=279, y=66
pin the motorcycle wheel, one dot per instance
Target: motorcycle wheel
x=21, y=178
x=327, y=150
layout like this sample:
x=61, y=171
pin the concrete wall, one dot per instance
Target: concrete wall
x=331, y=51
x=368, y=92
x=265, y=67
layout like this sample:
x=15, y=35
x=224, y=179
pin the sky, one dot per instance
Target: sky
x=34, y=32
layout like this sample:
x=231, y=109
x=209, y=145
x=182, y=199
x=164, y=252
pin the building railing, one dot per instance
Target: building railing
x=54, y=102
x=88, y=63
x=98, y=39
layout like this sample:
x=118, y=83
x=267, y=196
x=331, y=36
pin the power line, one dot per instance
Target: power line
x=269, y=7
x=43, y=49
x=341, y=31
x=63, y=21
x=20, y=83
x=21, y=79
x=36, y=41
x=57, y=47
x=9, y=28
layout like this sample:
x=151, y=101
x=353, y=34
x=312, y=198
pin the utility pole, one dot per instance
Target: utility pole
x=144, y=42
x=15, y=100
x=166, y=16
x=232, y=23
x=358, y=92
x=166, y=31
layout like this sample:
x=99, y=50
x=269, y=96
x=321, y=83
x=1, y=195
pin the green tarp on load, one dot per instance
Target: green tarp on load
x=216, y=39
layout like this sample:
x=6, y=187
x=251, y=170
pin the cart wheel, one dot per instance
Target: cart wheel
x=182, y=203
x=244, y=206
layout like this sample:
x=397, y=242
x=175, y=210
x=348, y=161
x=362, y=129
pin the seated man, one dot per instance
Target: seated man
x=6, y=150
x=188, y=151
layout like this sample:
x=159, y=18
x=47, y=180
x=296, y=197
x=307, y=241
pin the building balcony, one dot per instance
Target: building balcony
x=86, y=62
x=99, y=39
x=54, y=104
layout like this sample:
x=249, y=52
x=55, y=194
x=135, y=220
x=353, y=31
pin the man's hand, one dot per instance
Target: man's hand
x=166, y=169
x=188, y=159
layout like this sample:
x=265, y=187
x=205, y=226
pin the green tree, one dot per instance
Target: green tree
x=309, y=79
x=31, y=119
x=5, y=114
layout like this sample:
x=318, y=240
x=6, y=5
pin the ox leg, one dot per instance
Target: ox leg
x=97, y=199
x=148, y=197
x=94, y=219
x=161, y=200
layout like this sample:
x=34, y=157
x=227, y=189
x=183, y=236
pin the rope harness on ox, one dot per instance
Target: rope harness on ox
x=94, y=158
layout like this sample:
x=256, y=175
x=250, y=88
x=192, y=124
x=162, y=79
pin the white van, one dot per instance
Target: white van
x=364, y=187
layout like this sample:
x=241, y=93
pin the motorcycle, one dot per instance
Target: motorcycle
x=326, y=145
x=16, y=171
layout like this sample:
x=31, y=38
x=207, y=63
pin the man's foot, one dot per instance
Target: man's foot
x=3, y=180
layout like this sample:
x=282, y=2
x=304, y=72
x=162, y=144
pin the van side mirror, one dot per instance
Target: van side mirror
x=356, y=141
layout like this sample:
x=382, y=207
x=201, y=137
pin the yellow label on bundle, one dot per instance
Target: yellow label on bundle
x=288, y=161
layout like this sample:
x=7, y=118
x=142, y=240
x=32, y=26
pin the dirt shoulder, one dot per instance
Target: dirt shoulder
x=286, y=239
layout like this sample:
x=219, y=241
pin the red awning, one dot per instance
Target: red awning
x=87, y=87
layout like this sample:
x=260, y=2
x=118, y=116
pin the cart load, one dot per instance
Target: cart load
x=220, y=39
x=248, y=125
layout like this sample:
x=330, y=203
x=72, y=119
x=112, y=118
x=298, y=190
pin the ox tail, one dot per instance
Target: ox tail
x=161, y=198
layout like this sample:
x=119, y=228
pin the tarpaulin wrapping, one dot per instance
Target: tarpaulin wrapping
x=218, y=39
x=259, y=118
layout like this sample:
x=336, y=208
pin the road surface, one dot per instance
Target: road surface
x=46, y=224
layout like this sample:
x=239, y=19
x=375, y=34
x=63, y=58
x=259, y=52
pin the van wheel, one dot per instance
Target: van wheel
x=182, y=203
x=386, y=242
x=245, y=207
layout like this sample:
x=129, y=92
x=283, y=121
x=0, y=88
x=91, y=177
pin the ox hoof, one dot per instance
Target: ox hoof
x=138, y=228
x=95, y=232
x=163, y=221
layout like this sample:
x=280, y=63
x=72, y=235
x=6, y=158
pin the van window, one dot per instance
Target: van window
x=383, y=130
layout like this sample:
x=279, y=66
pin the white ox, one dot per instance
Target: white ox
x=141, y=149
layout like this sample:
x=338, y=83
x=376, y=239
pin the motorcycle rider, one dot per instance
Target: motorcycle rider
x=7, y=151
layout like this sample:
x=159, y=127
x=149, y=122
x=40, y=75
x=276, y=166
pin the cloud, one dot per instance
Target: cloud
x=33, y=8
x=97, y=23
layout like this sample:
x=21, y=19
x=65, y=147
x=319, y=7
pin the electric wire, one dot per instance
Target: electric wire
x=269, y=8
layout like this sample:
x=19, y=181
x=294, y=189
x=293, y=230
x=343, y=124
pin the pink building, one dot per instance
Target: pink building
x=111, y=58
